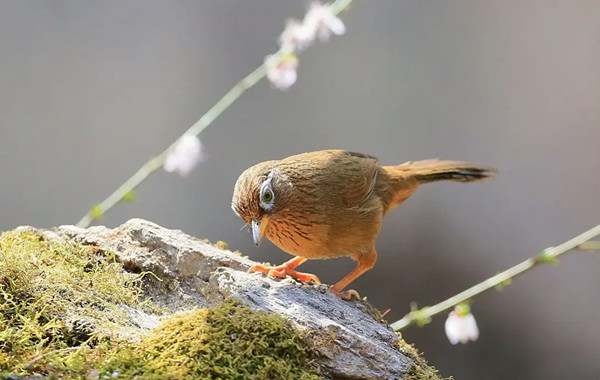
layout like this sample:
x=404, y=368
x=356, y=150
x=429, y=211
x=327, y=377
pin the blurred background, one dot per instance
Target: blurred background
x=90, y=89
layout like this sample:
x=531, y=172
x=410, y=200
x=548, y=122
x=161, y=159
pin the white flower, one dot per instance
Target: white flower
x=281, y=70
x=321, y=21
x=186, y=154
x=461, y=327
x=296, y=36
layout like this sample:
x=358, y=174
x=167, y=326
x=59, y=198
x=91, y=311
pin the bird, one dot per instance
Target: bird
x=331, y=203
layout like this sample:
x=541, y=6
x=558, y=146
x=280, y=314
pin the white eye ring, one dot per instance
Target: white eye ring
x=267, y=196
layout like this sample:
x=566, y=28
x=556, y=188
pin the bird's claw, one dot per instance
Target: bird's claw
x=346, y=295
x=282, y=271
x=304, y=277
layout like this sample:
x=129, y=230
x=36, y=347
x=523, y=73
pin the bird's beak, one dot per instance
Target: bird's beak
x=259, y=228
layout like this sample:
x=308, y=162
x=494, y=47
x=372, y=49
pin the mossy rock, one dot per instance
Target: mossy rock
x=54, y=296
x=226, y=342
x=420, y=370
x=68, y=311
x=44, y=283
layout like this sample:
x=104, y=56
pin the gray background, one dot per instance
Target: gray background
x=90, y=89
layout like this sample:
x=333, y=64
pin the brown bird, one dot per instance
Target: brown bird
x=331, y=203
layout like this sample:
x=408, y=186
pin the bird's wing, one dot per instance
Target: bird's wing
x=333, y=178
x=358, y=175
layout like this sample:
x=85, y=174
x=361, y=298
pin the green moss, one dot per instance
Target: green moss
x=227, y=342
x=222, y=245
x=54, y=296
x=60, y=305
x=61, y=308
x=420, y=370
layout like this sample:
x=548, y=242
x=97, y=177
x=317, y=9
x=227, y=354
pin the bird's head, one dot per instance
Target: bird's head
x=260, y=192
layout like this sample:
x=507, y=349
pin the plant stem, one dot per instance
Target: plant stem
x=589, y=246
x=214, y=112
x=157, y=162
x=548, y=255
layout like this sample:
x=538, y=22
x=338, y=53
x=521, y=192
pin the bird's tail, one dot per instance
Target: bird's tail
x=406, y=177
x=442, y=170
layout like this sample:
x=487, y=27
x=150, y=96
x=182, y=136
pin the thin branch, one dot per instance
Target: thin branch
x=549, y=255
x=213, y=113
x=157, y=162
x=589, y=246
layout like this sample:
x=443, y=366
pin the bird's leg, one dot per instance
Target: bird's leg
x=286, y=269
x=364, y=263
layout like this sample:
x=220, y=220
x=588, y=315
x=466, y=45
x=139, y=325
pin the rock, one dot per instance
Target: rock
x=186, y=273
x=352, y=343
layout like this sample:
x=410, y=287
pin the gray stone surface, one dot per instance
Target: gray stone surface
x=193, y=273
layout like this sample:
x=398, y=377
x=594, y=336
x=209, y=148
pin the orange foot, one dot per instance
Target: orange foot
x=283, y=270
x=347, y=295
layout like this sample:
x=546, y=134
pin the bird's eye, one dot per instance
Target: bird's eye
x=267, y=197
